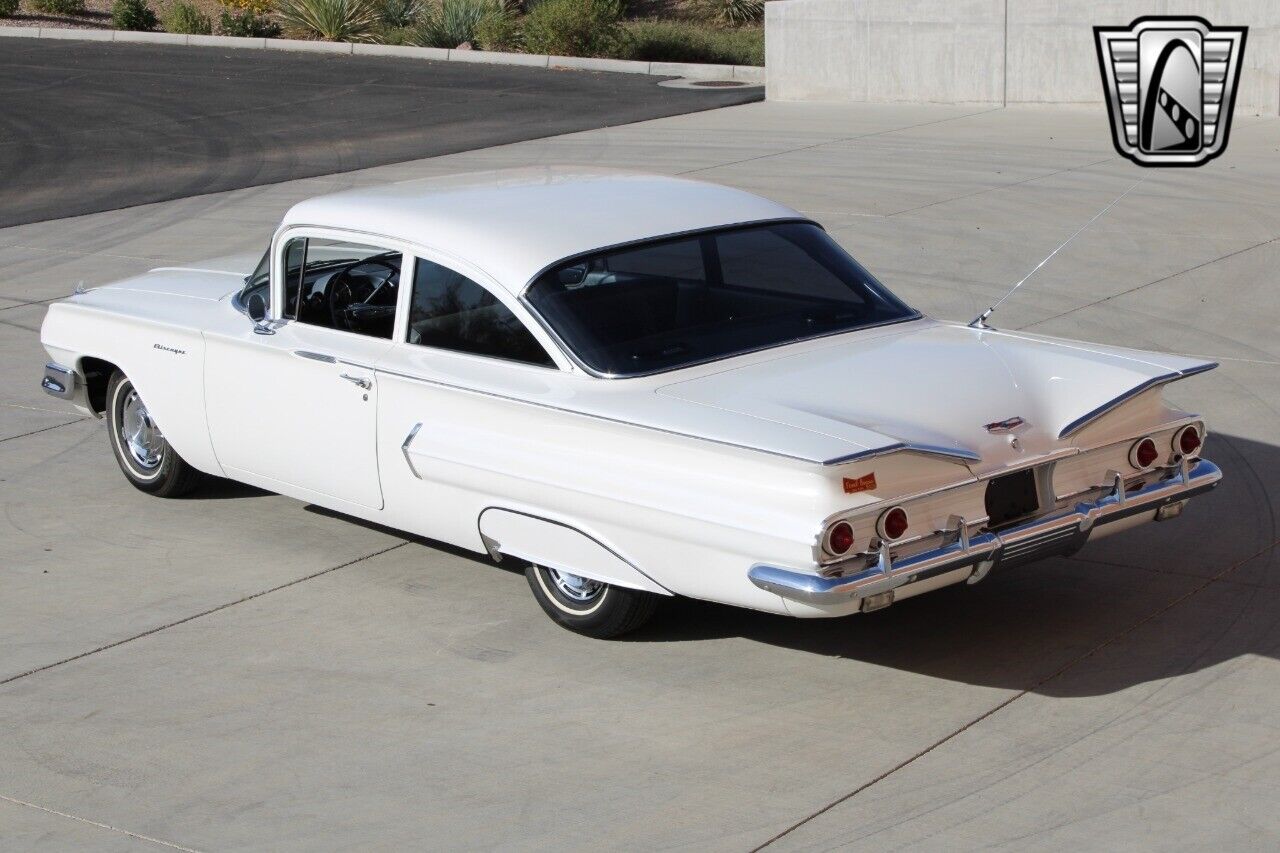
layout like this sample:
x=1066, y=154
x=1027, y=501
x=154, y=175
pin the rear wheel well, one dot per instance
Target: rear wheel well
x=97, y=373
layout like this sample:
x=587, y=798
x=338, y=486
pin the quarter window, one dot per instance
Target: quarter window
x=450, y=311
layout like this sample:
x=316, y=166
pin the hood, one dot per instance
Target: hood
x=209, y=280
x=938, y=386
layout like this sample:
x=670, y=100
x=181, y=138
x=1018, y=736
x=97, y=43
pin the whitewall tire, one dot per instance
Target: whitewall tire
x=140, y=448
x=589, y=607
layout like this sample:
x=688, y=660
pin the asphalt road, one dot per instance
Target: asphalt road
x=86, y=127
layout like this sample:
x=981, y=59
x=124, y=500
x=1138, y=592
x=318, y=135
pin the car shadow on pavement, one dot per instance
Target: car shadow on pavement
x=1145, y=605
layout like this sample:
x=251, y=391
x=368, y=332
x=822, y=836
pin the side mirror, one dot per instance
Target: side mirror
x=257, y=307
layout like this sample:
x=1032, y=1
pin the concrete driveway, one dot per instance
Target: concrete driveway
x=238, y=670
x=87, y=126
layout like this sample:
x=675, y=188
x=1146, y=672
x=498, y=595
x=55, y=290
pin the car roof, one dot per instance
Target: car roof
x=515, y=223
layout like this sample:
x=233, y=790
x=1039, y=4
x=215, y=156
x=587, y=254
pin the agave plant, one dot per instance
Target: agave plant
x=455, y=21
x=331, y=20
x=735, y=12
x=401, y=13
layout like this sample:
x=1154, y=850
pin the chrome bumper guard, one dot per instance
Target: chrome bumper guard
x=59, y=381
x=1059, y=533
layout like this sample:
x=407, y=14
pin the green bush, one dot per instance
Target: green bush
x=733, y=13
x=133, y=15
x=668, y=41
x=59, y=7
x=498, y=32
x=8, y=7
x=331, y=20
x=455, y=21
x=247, y=23
x=186, y=19
x=576, y=28
x=397, y=14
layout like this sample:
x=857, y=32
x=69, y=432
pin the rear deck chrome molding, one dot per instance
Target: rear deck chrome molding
x=1024, y=543
x=1086, y=419
x=908, y=447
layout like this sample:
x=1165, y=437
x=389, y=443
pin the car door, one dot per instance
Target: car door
x=294, y=409
x=449, y=411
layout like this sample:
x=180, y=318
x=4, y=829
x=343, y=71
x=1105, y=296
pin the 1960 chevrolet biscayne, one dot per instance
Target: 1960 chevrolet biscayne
x=642, y=386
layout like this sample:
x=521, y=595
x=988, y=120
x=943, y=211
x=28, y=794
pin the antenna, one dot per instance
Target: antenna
x=980, y=322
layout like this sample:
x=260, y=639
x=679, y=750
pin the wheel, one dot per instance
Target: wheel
x=589, y=607
x=144, y=456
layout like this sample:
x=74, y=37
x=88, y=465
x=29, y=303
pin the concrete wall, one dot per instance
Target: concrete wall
x=983, y=51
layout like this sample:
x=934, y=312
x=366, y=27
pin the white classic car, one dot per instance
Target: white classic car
x=642, y=386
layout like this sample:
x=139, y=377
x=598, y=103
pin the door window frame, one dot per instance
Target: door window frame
x=560, y=362
x=281, y=241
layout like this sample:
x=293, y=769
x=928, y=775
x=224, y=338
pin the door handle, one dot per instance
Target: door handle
x=357, y=380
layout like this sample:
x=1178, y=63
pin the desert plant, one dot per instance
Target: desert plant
x=8, y=7
x=678, y=41
x=186, y=19
x=498, y=32
x=133, y=15
x=59, y=7
x=247, y=23
x=454, y=21
x=400, y=13
x=733, y=13
x=575, y=28
x=331, y=20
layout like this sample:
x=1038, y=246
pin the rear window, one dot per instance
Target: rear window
x=684, y=300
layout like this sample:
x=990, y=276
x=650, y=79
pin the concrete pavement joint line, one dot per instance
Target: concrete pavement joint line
x=98, y=824
x=195, y=616
x=1151, y=283
x=835, y=141
x=1000, y=187
x=1015, y=697
x=42, y=429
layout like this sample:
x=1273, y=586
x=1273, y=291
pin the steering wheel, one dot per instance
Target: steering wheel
x=348, y=296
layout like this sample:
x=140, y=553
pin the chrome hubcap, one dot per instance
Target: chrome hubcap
x=574, y=587
x=139, y=434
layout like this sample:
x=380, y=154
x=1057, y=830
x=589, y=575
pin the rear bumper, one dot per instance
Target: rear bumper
x=1059, y=533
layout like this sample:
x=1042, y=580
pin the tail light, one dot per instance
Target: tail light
x=893, y=523
x=1186, y=441
x=1143, y=454
x=840, y=538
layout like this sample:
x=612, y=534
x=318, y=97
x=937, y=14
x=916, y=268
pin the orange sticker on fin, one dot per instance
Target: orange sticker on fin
x=861, y=484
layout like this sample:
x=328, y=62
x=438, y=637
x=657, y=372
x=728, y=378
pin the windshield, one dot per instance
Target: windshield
x=681, y=301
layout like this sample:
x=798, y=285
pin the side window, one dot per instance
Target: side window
x=351, y=287
x=450, y=311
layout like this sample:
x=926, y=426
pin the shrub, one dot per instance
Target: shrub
x=59, y=7
x=133, y=15
x=186, y=19
x=400, y=13
x=498, y=32
x=8, y=7
x=668, y=41
x=575, y=28
x=260, y=8
x=455, y=21
x=733, y=13
x=247, y=23
x=331, y=20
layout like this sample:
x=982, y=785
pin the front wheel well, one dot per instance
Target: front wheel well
x=97, y=373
